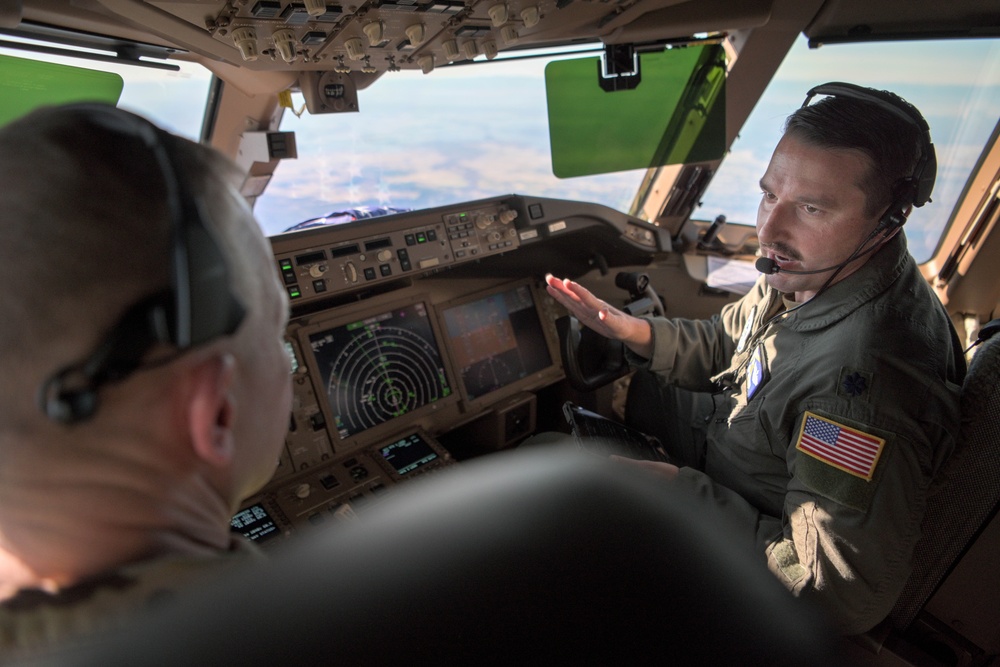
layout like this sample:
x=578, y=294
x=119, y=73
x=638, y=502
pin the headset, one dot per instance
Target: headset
x=198, y=306
x=914, y=190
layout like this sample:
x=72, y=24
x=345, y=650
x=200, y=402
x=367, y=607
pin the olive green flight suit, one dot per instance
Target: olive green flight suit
x=35, y=620
x=829, y=424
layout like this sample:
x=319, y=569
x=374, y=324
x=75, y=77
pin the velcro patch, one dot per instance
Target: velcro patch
x=845, y=448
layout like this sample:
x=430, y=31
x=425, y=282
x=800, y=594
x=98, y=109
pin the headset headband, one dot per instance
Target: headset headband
x=921, y=182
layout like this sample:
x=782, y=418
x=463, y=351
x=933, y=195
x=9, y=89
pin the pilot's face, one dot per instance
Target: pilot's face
x=812, y=213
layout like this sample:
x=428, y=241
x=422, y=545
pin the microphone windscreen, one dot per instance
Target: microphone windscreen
x=766, y=265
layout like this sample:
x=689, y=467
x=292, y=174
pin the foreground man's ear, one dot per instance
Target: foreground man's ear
x=211, y=409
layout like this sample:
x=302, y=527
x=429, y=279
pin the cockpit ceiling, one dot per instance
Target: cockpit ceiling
x=377, y=36
x=854, y=20
x=382, y=35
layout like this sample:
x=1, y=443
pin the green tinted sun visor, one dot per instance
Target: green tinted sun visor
x=675, y=114
x=26, y=84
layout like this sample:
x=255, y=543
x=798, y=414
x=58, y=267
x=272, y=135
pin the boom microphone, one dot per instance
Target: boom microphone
x=768, y=266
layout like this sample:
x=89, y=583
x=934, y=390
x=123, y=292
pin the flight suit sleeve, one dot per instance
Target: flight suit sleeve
x=845, y=546
x=690, y=352
x=850, y=526
x=747, y=524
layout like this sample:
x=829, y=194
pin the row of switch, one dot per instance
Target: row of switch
x=319, y=285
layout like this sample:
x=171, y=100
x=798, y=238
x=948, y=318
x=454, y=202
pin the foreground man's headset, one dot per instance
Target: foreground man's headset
x=197, y=307
x=914, y=190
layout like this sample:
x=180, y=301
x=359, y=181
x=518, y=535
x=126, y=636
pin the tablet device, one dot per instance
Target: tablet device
x=601, y=435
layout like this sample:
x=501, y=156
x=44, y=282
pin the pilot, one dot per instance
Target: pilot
x=135, y=415
x=816, y=409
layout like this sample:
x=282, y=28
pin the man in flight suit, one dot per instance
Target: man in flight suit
x=129, y=433
x=816, y=409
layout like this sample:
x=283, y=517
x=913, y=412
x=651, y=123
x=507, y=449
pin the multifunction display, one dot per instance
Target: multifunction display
x=379, y=368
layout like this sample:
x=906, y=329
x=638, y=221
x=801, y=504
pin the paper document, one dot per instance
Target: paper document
x=733, y=275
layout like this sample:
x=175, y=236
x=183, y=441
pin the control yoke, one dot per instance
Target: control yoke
x=591, y=360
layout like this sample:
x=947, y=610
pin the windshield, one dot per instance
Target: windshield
x=469, y=132
x=458, y=134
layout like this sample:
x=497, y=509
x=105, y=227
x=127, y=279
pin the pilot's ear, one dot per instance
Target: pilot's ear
x=211, y=410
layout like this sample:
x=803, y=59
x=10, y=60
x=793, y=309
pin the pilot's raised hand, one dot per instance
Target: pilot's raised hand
x=600, y=316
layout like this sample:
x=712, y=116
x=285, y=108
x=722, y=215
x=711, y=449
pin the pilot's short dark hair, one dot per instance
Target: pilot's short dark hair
x=890, y=143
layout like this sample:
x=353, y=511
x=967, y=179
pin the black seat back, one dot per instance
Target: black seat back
x=529, y=558
x=968, y=494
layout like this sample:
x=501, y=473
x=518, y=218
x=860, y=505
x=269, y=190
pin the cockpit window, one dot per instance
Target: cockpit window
x=175, y=100
x=458, y=134
x=955, y=84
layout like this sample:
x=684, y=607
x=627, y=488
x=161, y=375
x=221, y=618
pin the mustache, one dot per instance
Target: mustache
x=782, y=249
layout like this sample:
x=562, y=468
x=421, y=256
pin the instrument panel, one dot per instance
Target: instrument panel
x=409, y=329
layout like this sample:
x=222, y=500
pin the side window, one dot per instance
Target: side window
x=954, y=84
x=175, y=100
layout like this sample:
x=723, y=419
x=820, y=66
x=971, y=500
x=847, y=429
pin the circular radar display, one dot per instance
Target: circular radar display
x=380, y=368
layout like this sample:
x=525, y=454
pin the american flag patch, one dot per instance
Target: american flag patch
x=841, y=446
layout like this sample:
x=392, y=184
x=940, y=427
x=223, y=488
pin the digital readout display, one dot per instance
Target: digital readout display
x=408, y=454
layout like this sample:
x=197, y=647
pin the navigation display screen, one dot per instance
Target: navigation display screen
x=409, y=453
x=496, y=340
x=379, y=368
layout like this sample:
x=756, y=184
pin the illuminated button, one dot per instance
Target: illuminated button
x=294, y=292
x=421, y=237
x=287, y=271
x=410, y=239
x=369, y=273
x=385, y=269
x=319, y=285
x=431, y=235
